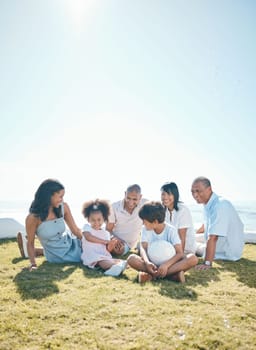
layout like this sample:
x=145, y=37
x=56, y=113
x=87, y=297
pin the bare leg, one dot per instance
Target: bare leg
x=113, y=267
x=175, y=272
x=184, y=264
x=107, y=264
x=136, y=262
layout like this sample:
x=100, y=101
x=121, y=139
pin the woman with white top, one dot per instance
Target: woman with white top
x=178, y=215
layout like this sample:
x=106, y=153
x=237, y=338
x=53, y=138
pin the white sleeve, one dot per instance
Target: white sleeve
x=87, y=228
x=144, y=235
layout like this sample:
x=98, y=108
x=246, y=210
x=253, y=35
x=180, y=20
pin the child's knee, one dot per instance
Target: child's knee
x=193, y=260
x=131, y=258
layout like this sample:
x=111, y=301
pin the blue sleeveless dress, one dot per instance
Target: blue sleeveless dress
x=58, y=244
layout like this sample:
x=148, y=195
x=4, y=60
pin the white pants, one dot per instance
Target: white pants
x=200, y=244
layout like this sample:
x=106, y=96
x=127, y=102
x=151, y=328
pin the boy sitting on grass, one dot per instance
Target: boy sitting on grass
x=153, y=216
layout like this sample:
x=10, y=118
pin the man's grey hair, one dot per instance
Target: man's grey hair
x=133, y=188
x=206, y=182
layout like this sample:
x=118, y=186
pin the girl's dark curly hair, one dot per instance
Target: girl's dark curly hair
x=42, y=201
x=97, y=205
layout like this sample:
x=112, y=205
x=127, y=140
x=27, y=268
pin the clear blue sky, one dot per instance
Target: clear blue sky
x=101, y=94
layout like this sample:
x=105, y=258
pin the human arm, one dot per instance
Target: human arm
x=116, y=246
x=71, y=222
x=91, y=238
x=200, y=229
x=184, y=224
x=182, y=233
x=163, y=268
x=32, y=224
x=210, y=253
x=151, y=268
x=110, y=226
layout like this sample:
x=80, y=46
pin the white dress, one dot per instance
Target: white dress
x=92, y=253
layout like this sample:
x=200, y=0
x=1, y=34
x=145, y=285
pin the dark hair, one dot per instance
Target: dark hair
x=133, y=188
x=98, y=205
x=42, y=201
x=206, y=182
x=172, y=188
x=152, y=211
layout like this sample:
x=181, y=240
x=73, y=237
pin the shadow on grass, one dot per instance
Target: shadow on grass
x=194, y=278
x=99, y=273
x=244, y=269
x=167, y=287
x=7, y=240
x=42, y=283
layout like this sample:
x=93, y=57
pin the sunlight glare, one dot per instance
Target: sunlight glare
x=80, y=12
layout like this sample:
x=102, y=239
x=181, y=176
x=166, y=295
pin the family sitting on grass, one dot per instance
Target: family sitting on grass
x=128, y=229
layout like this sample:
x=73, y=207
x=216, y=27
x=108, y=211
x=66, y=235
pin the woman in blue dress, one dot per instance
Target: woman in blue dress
x=47, y=219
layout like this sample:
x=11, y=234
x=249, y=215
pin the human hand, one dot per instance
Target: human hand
x=202, y=267
x=111, y=244
x=162, y=270
x=151, y=268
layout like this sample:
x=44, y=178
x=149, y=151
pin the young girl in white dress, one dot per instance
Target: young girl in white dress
x=96, y=242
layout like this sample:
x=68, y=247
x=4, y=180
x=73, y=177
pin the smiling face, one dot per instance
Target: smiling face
x=57, y=198
x=131, y=200
x=96, y=220
x=201, y=192
x=167, y=199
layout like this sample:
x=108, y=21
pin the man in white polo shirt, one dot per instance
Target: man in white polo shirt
x=223, y=229
x=124, y=222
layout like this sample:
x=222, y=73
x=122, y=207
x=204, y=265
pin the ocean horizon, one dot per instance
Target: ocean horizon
x=18, y=210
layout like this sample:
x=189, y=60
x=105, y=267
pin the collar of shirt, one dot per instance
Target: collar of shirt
x=123, y=208
x=211, y=202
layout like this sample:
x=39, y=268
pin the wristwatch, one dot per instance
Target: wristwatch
x=207, y=263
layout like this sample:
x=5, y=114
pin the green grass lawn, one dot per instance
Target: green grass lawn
x=72, y=307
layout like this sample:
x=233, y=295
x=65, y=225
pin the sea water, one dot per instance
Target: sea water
x=18, y=210
x=245, y=209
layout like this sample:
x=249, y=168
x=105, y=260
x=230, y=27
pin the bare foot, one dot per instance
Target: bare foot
x=144, y=277
x=178, y=277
